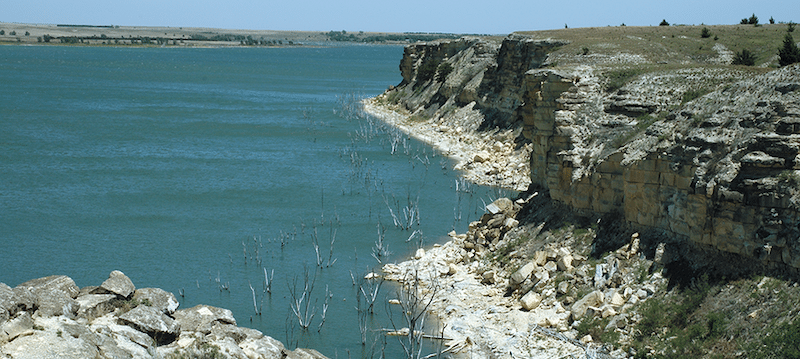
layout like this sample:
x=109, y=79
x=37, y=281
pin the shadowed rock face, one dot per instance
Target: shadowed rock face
x=51, y=317
x=715, y=172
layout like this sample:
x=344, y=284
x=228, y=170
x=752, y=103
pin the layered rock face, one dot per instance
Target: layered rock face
x=701, y=157
x=51, y=317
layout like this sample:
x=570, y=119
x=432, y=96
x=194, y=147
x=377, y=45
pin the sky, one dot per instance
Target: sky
x=448, y=16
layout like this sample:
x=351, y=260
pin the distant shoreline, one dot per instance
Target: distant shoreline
x=165, y=36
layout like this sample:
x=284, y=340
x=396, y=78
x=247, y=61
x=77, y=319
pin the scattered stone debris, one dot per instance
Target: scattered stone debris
x=554, y=286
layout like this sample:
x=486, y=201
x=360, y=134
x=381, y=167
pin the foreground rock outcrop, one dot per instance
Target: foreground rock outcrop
x=51, y=317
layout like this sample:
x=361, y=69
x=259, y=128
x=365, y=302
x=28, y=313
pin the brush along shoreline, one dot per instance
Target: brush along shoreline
x=534, y=312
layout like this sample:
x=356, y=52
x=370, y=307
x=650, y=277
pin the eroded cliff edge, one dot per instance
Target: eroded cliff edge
x=697, y=155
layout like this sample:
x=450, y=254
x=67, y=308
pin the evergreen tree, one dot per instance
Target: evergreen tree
x=789, y=53
x=744, y=58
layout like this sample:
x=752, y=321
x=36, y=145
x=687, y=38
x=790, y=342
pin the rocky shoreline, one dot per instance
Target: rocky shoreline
x=536, y=311
x=51, y=317
x=486, y=158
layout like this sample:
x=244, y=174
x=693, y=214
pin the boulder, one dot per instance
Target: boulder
x=6, y=302
x=152, y=322
x=607, y=311
x=522, y=274
x=563, y=287
x=201, y=318
x=617, y=300
x=488, y=277
x=510, y=223
x=301, y=353
x=23, y=300
x=540, y=258
x=239, y=334
x=505, y=205
x=531, y=300
x=481, y=157
x=157, y=298
x=21, y=324
x=265, y=347
x=125, y=336
x=95, y=305
x=52, y=296
x=56, y=303
x=540, y=278
x=565, y=263
x=117, y=283
x=45, y=344
x=593, y=299
x=48, y=284
x=551, y=266
x=452, y=269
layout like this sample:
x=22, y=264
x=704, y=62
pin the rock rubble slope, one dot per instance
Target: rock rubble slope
x=51, y=317
x=542, y=307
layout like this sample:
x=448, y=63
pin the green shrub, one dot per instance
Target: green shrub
x=780, y=342
x=789, y=53
x=745, y=57
x=706, y=33
x=664, y=23
x=444, y=69
x=618, y=78
x=426, y=71
x=789, y=176
x=716, y=325
x=693, y=94
x=752, y=20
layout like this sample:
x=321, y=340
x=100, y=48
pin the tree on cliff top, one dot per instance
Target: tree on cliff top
x=789, y=53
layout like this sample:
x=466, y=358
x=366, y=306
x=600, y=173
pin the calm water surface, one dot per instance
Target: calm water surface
x=195, y=170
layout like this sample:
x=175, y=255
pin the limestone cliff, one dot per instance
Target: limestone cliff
x=700, y=155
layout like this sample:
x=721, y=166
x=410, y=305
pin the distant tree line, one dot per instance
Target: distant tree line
x=146, y=40
x=343, y=36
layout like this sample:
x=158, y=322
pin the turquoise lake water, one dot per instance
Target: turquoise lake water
x=195, y=170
